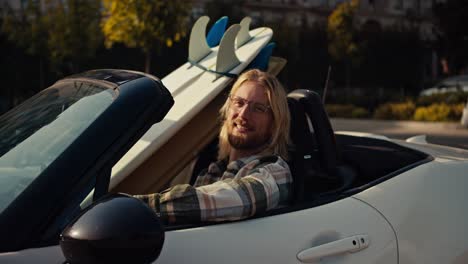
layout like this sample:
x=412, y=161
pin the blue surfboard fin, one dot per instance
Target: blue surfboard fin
x=216, y=32
x=261, y=61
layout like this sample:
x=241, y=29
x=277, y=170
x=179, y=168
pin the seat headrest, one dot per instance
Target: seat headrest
x=323, y=131
x=300, y=133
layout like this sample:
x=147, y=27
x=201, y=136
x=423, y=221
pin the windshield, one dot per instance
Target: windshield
x=35, y=133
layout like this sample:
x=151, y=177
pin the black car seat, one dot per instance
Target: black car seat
x=315, y=161
x=301, y=148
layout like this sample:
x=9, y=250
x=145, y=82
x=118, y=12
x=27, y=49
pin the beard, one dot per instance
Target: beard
x=252, y=141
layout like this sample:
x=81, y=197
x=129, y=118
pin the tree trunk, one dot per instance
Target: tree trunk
x=148, y=61
x=348, y=73
x=41, y=74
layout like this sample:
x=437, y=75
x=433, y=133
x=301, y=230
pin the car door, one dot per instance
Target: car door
x=344, y=231
x=41, y=255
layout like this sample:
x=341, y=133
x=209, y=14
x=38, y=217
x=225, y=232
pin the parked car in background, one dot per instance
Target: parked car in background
x=451, y=84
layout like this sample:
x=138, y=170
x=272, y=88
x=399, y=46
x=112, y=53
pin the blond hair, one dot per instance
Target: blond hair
x=278, y=144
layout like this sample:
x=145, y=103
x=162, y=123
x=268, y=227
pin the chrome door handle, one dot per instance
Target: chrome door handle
x=342, y=246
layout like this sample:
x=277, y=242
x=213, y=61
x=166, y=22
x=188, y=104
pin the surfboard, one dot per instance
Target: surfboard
x=238, y=47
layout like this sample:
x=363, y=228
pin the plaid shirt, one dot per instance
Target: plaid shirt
x=239, y=190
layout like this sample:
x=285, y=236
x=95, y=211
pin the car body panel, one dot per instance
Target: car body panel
x=428, y=148
x=437, y=151
x=42, y=255
x=279, y=238
x=421, y=206
x=274, y=239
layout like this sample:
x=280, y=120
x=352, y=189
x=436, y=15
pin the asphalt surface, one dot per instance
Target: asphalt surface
x=441, y=133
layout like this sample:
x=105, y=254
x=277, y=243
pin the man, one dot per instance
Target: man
x=251, y=175
x=464, y=118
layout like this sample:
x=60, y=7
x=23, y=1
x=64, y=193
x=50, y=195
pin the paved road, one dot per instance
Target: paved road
x=442, y=133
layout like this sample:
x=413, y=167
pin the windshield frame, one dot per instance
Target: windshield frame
x=54, y=196
x=41, y=128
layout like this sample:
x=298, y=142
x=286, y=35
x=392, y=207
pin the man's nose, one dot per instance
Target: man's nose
x=244, y=111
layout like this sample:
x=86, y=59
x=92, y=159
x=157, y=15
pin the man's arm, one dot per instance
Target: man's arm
x=260, y=190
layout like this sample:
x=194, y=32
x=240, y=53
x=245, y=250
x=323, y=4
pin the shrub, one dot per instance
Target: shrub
x=359, y=112
x=439, y=112
x=346, y=111
x=456, y=111
x=395, y=111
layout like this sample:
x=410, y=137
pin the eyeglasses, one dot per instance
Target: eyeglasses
x=238, y=103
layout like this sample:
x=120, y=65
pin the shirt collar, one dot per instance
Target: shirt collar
x=239, y=163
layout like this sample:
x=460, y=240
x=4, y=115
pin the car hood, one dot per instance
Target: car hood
x=436, y=151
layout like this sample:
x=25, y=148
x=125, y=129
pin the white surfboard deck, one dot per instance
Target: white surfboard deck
x=190, y=98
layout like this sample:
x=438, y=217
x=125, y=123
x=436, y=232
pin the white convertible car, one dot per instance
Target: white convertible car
x=358, y=198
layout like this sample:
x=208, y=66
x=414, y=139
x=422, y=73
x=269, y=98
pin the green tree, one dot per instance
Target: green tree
x=26, y=28
x=74, y=33
x=145, y=24
x=342, y=43
x=64, y=33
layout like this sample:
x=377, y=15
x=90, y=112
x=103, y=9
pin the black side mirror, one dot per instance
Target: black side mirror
x=116, y=229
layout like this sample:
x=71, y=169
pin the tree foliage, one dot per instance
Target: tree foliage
x=74, y=34
x=145, y=24
x=65, y=32
x=26, y=27
x=342, y=41
x=341, y=31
